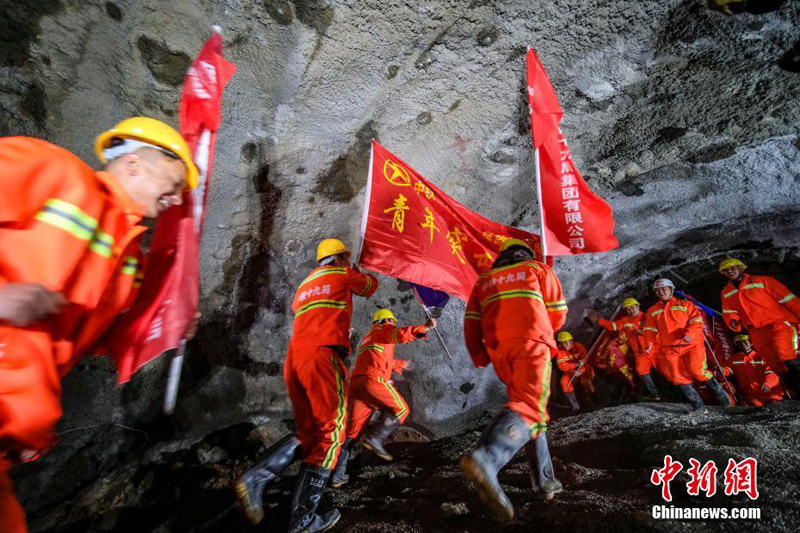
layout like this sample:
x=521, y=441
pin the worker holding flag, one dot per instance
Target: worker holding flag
x=570, y=360
x=316, y=379
x=509, y=322
x=371, y=388
x=70, y=263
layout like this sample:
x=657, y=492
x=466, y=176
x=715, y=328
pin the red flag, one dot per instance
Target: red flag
x=413, y=231
x=574, y=219
x=168, y=297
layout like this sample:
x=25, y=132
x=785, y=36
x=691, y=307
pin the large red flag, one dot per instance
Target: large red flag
x=574, y=219
x=168, y=297
x=413, y=231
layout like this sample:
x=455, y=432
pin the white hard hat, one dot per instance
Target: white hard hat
x=663, y=282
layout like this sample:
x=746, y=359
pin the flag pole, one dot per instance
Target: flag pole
x=175, y=366
x=435, y=330
x=594, y=344
x=367, y=195
x=541, y=205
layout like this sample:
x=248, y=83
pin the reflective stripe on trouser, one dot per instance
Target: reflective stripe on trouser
x=524, y=366
x=12, y=517
x=368, y=394
x=686, y=364
x=775, y=343
x=316, y=379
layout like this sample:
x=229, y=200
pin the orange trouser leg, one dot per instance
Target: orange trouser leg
x=566, y=386
x=674, y=369
x=316, y=380
x=776, y=343
x=12, y=517
x=696, y=363
x=644, y=363
x=358, y=414
x=373, y=394
x=30, y=390
x=524, y=366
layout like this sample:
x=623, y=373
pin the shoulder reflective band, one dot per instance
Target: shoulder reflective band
x=788, y=298
x=657, y=312
x=129, y=265
x=558, y=305
x=324, y=272
x=754, y=286
x=472, y=315
x=67, y=217
x=730, y=293
x=677, y=308
x=512, y=294
x=331, y=304
x=102, y=244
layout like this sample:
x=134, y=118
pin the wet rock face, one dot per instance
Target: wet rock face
x=683, y=118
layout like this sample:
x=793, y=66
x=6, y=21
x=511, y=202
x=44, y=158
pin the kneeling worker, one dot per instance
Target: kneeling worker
x=509, y=322
x=371, y=388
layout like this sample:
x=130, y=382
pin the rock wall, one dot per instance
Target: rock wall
x=679, y=116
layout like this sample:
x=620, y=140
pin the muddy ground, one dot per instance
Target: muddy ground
x=604, y=459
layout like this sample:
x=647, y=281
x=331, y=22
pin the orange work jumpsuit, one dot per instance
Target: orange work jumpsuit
x=509, y=322
x=631, y=326
x=567, y=361
x=769, y=312
x=315, y=373
x=75, y=231
x=370, y=384
x=666, y=325
x=751, y=373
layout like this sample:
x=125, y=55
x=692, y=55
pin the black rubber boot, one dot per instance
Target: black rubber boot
x=340, y=476
x=573, y=401
x=250, y=487
x=501, y=440
x=377, y=432
x=698, y=407
x=308, y=491
x=719, y=392
x=650, y=387
x=543, y=477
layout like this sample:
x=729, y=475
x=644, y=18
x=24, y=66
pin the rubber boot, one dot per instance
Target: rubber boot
x=340, y=476
x=650, y=386
x=698, y=407
x=501, y=440
x=377, y=432
x=573, y=401
x=308, y=491
x=719, y=392
x=250, y=487
x=543, y=477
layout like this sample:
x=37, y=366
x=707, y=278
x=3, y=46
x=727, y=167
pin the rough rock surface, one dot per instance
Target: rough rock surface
x=677, y=115
x=604, y=459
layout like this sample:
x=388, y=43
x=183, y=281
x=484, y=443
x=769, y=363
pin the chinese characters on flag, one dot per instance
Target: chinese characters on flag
x=413, y=231
x=575, y=220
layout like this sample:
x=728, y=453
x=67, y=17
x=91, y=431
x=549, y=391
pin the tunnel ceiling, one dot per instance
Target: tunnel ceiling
x=680, y=117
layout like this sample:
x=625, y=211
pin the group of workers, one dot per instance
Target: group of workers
x=670, y=337
x=70, y=264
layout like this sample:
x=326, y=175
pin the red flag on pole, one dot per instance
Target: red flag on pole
x=168, y=298
x=574, y=220
x=413, y=231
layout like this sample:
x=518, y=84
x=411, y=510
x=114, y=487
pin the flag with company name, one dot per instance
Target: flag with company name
x=168, y=298
x=575, y=219
x=413, y=231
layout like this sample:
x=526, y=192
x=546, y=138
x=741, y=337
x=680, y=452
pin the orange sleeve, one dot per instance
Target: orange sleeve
x=564, y=364
x=728, y=312
x=553, y=297
x=783, y=295
x=695, y=324
x=608, y=324
x=30, y=168
x=473, y=331
x=650, y=330
x=390, y=334
x=361, y=283
x=398, y=366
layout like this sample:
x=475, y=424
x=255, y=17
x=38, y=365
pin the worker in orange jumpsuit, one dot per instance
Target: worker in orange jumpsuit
x=509, y=322
x=570, y=360
x=677, y=326
x=371, y=388
x=769, y=313
x=316, y=379
x=758, y=384
x=69, y=259
x=632, y=326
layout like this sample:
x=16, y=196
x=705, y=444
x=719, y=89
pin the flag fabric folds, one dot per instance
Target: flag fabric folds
x=168, y=297
x=575, y=220
x=413, y=231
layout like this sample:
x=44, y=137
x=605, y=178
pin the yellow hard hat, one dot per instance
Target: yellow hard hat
x=564, y=336
x=629, y=302
x=739, y=338
x=729, y=262
x=330, y=247
x=150, y=131
x=383, y=314
x=508, y=243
